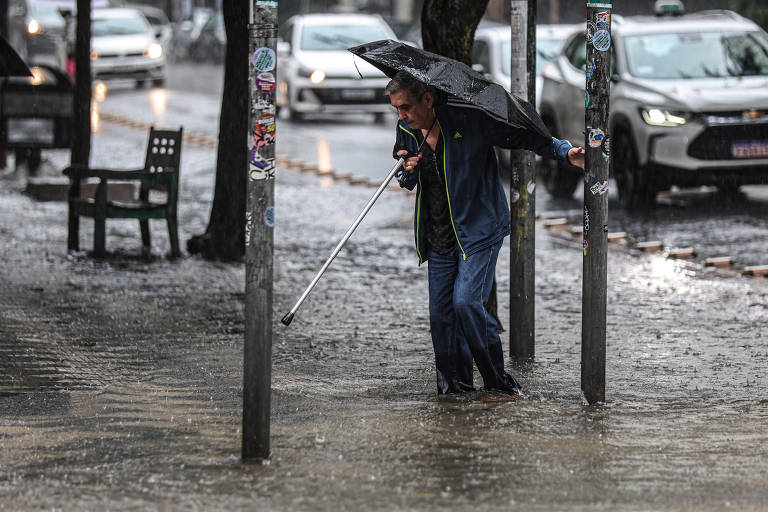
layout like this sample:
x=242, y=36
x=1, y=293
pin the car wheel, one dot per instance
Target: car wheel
x=140, y=84
x=559, y=178
x=159, y=82
x=636, y=190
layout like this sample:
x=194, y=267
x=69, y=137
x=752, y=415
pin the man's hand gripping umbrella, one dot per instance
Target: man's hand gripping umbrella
x=288, y=318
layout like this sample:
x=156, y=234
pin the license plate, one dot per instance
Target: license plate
x=750, y=149
x=358, y=94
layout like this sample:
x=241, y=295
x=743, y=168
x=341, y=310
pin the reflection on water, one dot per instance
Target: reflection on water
x=95, y=119
x=159, y=99
x=323, y=155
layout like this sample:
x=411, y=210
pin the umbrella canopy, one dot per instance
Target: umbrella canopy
x=454, y=78
x=10, y=62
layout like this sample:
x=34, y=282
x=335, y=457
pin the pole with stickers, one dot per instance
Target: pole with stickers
x=522, y=195
x=259, y=231
x=595, y=242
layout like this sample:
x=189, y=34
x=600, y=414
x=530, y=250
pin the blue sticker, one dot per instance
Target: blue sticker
x=596, y=137
x=590, y=70
x=269, y=217
x=264, y=59
x=601, y=40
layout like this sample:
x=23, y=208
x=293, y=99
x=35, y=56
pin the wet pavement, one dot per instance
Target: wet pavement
x=120, y=379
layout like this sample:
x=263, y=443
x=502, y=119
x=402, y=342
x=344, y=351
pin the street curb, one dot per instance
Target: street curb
x=556, y=228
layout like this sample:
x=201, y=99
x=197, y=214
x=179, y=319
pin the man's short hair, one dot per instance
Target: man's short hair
x=402, y=81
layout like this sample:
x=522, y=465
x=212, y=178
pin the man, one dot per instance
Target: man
x=461, y=219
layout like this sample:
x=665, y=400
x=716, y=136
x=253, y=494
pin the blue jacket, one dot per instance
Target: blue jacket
x=476, y=200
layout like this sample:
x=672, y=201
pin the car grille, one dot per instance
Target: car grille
x=342, y=96
x=114, y=55
x=715, y=142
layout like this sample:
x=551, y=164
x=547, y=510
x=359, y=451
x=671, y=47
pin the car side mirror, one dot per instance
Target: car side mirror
x=615, y=78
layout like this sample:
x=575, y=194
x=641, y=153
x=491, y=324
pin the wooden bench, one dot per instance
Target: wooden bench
x=160, y=173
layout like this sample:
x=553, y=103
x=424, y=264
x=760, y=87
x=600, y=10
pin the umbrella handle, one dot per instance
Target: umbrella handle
x=288, y=318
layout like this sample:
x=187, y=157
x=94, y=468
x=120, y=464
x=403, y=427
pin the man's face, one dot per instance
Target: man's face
x=416, y=113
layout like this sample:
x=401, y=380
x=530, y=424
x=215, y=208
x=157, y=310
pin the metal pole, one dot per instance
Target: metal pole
x=595, y=244
x=259, y=231
x=288, y=318
x=522, y=195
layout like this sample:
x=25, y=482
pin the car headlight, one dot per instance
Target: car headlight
x=659, y=117
x=315, y=75
x=154, y=51
x=33, y=27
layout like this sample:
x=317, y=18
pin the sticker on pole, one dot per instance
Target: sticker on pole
x=266, y=3
x=269, y=217
x=585, y=247
x=598, y=189
x=264, y=59
x=601, y=40
x=587, y=99
x=590, y=70
x=603, y=19
x=596, y=137
x=599, y=4
x=260, y=168
x=265, y=82
x=265, y=131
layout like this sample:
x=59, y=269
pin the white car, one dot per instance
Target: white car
x=492, y=47
x=124, y=45
x=316, y=73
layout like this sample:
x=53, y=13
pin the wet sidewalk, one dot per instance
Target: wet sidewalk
x=120, y=379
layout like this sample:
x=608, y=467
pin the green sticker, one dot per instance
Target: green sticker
x=599, y=4
x=586, y=104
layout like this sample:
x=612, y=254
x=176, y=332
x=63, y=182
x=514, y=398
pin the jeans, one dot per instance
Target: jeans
x=462, y=329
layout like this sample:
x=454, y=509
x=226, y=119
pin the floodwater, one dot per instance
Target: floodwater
x=120, y=380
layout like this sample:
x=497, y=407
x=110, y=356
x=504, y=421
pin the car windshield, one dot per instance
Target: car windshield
x=339, y=37
x=546, y=50
x=697, y=55
x=46, y=13
x=118, y=26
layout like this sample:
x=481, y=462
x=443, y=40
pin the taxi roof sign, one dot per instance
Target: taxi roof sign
x=668, y=7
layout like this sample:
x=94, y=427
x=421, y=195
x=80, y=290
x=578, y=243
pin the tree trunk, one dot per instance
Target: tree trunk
x=224, y=239
x=81, y=133
x=448, y=28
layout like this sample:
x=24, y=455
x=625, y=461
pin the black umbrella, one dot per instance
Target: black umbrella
x=454, y=78
x=10, y=62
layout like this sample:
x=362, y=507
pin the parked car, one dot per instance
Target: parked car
x=123, y=45
x=491, y=50
x=211, y=42
x=188, y=30
x=688, y=106
x=491, y=55
x=318, y=74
